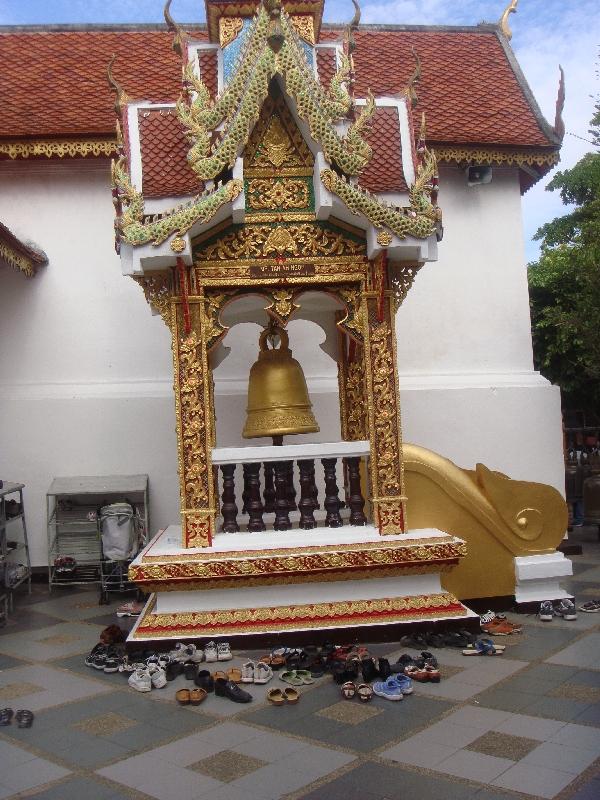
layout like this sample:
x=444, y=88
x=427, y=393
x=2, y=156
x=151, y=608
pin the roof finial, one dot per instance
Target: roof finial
x=350, y=28
x=411, y=89
x=121, y=97
x=511, y=8
x=559, y=124
x=179, y=34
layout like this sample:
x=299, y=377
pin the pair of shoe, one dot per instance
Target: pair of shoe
x=256, y=672
x=186, y=653
x=297, y=677
x=278, y=697
x=148, y=678
x=561, y=608
x=484, y=647
x=394, y=688
x=23, y=717
x=107, y=658
x=190, y=696
x=362, y=690
x=373, y=668
x=500, y=626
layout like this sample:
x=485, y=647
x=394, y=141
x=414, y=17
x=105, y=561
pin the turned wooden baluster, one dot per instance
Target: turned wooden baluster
x=254, y=504
x=307, y=488
x=269, y=490
x=355, y=499
x=332, y=500
x=246, y=490
x=229, y=507
x=291, y=489
x=282, y=518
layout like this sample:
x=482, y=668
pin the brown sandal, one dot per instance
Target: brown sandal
x=235, y=675
x=197, y=696
x=348, y=690
x=364, y=692
x=183, y=697
x=291, y=695
x=219, y=674
x=276, y=697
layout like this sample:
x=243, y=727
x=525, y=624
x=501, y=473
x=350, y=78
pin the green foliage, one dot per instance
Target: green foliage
x=564, y=285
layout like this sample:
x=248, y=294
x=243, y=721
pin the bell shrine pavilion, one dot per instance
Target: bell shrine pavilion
x=325, y=221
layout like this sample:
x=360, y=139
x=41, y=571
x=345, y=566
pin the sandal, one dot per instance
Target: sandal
x=24, y=718
x=276, y=697
x=183, y=696
x=6, y=715
x=291, y=695
x=419, y=674
x=364, y=692
x=197, y=696
x=289, y=676
x=219, y=674
x=234, y=675
x=348, y=690
x=484, y=647
x=305, y=676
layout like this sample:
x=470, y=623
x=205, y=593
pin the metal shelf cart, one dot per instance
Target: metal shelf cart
x=17, y=544
x=72, y=512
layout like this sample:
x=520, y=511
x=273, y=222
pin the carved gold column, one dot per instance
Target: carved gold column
x=385, y=433
x=351, y=384
x=195, y=424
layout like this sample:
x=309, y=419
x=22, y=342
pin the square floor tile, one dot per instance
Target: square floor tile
x=11, y=691
x=530, y=779
x=474, y=766
x=43, y=644
x=583, y=653
x=227, y=765
x=31, y=773
x=503, y=745
x=28, y=621
x=414, y=752
x=570, y=759
x=579, y=736
x=349, y=713
x=530, y=727
x=47, y=687
x=105, y=724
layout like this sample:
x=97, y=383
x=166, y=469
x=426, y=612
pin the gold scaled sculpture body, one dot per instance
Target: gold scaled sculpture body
x=278, y=401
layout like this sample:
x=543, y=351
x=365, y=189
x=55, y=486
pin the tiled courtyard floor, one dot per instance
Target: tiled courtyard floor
x=526, y=724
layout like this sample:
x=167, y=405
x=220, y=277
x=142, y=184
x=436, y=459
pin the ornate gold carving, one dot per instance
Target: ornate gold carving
x=16, y=259
x=391, y=516
x=214, y=302
x=270, y=193
x=511, y=8
x=354, y=322
x=158, y=291
x=276, y=147
x=197, y=530
x=280, y=618
x=305, y=26
x=177, y=244
x=384, y=238
x=300, y=240
x=282, y=304
x=519, y=158
x=229, y=28
x=59, y=147
x=356, y=416
x=401, y=279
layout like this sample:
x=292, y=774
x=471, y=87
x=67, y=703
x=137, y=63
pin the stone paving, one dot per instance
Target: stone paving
x=526, y=724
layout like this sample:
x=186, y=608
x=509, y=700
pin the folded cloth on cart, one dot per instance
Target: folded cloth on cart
x=119, y=532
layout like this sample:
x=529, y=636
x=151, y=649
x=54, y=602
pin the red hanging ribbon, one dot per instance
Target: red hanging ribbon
x=183, y=288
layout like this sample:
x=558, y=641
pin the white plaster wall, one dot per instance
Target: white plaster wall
x=86, y=372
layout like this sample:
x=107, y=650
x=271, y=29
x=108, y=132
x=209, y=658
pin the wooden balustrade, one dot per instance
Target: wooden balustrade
x=269, y=485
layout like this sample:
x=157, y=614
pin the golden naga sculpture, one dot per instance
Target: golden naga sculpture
x=499, y=518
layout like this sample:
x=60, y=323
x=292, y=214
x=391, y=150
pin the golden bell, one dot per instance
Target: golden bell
x=278, y=401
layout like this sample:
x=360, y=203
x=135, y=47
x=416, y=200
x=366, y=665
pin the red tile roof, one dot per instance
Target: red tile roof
x=54, y=82
x=384, y=172
x=326, y=64
x=165, y=170
x=209, y=70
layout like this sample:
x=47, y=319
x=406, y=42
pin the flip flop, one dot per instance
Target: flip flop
x=289, y=676
x=304, y=676
x=6, y=715
x=276, y=697
x=183, y=696
x=197, y=696
x=24, y=718
x=483, y=648
x=234, y=675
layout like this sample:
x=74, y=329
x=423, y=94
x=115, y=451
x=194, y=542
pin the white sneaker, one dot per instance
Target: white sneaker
x=210, y=652
x=487, y=617
x=248, y=670
x=262, y=673
x=182, y=652
x=140, y=680
x=196, y=654
x=224, y=652
x=158, y=677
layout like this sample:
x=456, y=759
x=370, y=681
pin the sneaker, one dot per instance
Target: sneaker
x=140, y=680
x=210, y=652
x=180, y=653
x=158, y=677
x=131, y=609
x=224, y=652
x=389, y=689
x=404, y=682
x=546, y=612
x=486, y=618
x=96, y=651
x=566, y=609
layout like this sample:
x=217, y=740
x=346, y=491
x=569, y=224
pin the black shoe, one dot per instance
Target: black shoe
x=369, y=670
x=383, y=668
x=205, y=680
x=190, y=670
x=317, y=667
x=231, y=690
x=173, y=670
x=96, y=651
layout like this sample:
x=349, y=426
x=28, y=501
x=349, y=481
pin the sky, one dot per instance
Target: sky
x=546, y=33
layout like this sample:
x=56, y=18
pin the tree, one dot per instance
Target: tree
x=564, y=285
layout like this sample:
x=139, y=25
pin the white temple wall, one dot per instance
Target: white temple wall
x=86, y=370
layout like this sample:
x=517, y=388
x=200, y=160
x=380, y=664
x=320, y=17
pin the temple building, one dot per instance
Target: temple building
x=266, y=185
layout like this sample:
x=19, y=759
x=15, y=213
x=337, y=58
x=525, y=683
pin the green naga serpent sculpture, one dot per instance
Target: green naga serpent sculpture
x=132, y=226
x=420, y=219
x=239, y=106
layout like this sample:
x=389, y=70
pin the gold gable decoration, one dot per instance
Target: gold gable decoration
x=276, y=146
